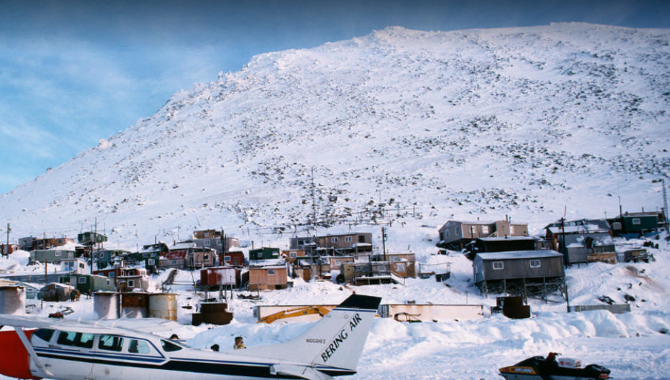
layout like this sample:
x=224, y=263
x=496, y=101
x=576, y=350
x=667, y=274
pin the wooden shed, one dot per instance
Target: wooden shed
x=516, y=271
x=268, y=278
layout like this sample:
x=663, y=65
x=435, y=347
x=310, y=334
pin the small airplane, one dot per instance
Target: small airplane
x=68, y=350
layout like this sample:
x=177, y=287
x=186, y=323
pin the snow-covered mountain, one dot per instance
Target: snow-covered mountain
x=399, y=126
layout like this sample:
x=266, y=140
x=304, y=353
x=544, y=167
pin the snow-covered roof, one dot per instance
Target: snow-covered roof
x=507, y=238
x=519, y=254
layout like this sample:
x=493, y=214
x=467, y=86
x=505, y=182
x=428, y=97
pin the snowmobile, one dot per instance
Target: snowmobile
x=549, y=368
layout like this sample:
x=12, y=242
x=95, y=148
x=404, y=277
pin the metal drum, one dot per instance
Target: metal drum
x=135, y=305
x=106, y=305
x=163, y=305
x=12, y=300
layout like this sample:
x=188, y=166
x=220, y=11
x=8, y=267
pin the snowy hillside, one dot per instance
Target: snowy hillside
x=526, y=122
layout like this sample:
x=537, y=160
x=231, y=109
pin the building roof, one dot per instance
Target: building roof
x=503, y=238
x=545, y=253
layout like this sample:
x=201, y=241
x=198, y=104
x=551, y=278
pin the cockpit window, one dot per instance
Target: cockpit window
x=44, y=334
x=169, y=346
x=110, y=343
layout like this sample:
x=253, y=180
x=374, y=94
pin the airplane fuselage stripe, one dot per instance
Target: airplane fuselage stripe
x=261, y=370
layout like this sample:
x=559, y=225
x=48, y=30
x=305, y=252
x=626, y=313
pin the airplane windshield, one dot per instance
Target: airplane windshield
x=44, y=334
x=169, y=346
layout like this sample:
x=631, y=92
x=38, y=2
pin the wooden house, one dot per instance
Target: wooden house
x=131, y=279
x=455, y=234
x=637, y=224
x=74, y=266
x=106, y=257
x=149, y=255
x=268, y=278
x=265, y=253
x=232, y=258
x=366, y=273
x=56, y=292
x=516, y=271
x=47, y=243
x=346, y=243
x=291, y=254
x=583, y=240
x=212, y=239
x=187, y=255
x=88, y=282
x=307, y=244
x=26, y=243
x=91, y=238
x=215, y=277
x=402, y=264
x=52, y=256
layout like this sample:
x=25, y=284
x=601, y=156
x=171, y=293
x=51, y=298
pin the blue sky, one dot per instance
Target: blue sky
x=74, y=72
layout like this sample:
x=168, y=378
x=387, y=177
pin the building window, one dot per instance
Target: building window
x=347, y=239
x=271, y=272
x=293, y=255
x=485, y=229
x=111, y=274
x=498, y=265
x=82, y=280
x=57, y=253
x=174, y=262
x=511, y=230
x=535, y=263
x=206, y=243
x=446, y=234
x=131, y=283
x=636, y=221
x=334, y=240
x=151, y=262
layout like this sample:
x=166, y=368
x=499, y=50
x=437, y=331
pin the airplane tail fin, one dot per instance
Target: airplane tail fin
x=333, y=345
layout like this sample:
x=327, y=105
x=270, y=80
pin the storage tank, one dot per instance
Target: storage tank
x=163, y=305
x=135, y=305
x=12, y=300
x=106, y=305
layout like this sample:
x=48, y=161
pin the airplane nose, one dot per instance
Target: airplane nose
x=14, y=359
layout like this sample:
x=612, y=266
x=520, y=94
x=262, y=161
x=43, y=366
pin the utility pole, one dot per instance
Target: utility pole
x=6, y=250
x=665, y=208
x=384, y=242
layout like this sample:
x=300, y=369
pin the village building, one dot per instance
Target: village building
x=131, y=279
x=264, y=254
x=268, y=278
x=307, y=244
x=344, y=244
x=107, y=257
x=519, y=272
x=26, y=243
x=455, y=234
x=636, y=225
x=47, y=243
x=402, y=264
x=582, y=241
x=74, y=266
x=149, y=255
x=52, y=256
x=85, y=283
x=216, y=277
x=232, y=258
x=186, y=255
x=8, y=249
x=291, y=255
x=212, y=239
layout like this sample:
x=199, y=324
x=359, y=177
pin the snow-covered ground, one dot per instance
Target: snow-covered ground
x=402, y=129
x=634, y=345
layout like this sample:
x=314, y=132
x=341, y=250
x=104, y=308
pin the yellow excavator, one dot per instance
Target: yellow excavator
x=292, y=313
